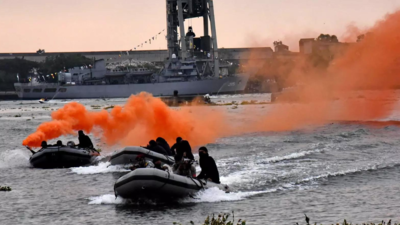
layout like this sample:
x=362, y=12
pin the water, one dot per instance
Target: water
x=330, y=173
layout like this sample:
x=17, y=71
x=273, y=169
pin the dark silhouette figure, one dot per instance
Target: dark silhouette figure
x=84, y=140
x=182, y=147
x=190, y=33
x=44, y=144
x=153, y=146
x=59, y=144
x=209, y=170
x=164, y=144
x=173, y=148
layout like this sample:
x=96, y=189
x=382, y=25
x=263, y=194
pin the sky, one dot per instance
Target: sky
x=105, y=25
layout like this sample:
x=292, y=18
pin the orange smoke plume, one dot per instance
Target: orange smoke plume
x=141, y=119
x=338, y=81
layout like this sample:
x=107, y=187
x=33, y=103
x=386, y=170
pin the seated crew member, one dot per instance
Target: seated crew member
x=59, y=144
x=153, y=146
x=71, y=144
x=184, y=149
x=183, y=167
x=209, y=170
x=164, y=144
x=84, y=140
x=141, y=162
x=43, y=144
x=158, y=165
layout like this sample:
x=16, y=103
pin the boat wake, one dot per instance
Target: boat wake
x=108, y=199
x=216, y=195
x=102, y=167
x=14, y=158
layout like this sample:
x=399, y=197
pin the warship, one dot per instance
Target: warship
x=192, y=67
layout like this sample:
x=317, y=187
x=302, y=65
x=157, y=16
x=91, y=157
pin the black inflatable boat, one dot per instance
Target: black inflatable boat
x=63, y=157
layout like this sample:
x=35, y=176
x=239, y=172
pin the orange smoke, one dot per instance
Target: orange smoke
x=343, y=81
x=141, y=119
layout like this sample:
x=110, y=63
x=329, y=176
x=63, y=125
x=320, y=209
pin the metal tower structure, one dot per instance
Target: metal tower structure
x=185, y=46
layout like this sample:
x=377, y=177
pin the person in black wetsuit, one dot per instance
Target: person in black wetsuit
x=173, y=148
x=44, y=144
x=185, y=150
x=182, y=147
x=164, y=144
x=59, y=144
x=209, y=170
x=153, y=146
x=84, y=140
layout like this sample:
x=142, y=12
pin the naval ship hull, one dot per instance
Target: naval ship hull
x=232, y=84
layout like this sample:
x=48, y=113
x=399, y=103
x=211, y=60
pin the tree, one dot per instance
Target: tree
x=40, y=51
x=17, y=65
x=327, y=38
x=56, y=63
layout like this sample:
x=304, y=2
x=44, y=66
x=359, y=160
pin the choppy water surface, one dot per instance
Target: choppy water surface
x=331, y=172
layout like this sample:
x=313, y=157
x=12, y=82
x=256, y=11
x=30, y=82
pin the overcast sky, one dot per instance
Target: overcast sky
x=95, y=25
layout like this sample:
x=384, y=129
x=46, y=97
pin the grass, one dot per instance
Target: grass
x=252, y=102
x=222, y=219
x=346, y=223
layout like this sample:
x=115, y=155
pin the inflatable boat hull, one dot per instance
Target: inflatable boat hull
x=63, y=157
x=128, y=155
x=155, y=183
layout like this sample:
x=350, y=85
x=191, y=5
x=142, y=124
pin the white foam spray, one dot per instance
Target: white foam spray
x=102, y=167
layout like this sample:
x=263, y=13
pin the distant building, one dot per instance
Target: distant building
x=280, y=47
x=306, y=45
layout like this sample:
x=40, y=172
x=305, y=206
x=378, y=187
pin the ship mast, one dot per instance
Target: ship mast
x=184, y=47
